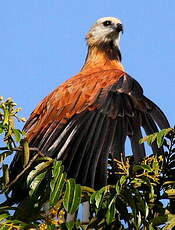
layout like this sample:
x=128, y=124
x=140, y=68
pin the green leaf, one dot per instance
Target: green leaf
x=15, y=222
x=149, y=139
x=169, y=182
x=57, y=183
x=92, y=198
x=78, y=224
x=51, y=227
x=99, y=197
x=160, y=138
x=6, y=117
x=37, y=170
x=57, y=169
x=146, y=210
x=152, y=138
x=35, y=184
x=159, y=220
x=1, y=130
x=1, y=126
x=139, y=219
x=56, y=191
x=161, y=135
x=4, y=216
x=68, y=194
x=72, y=196
x=3, y=227
x=17, y=134
x=167, y=131
x=151, y=194
x=6, y=178
x=147, y=168
x=70, y=225
x=76, y=199
x=117, y=188
x=151, y=227
x=171, y=222
x=123, y=180
x=110, y=215
x=170, y=192
x=26, y=153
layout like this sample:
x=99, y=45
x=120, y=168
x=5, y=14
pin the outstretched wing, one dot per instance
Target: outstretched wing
x=89, y=117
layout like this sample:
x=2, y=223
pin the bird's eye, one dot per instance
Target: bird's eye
x=107, y=23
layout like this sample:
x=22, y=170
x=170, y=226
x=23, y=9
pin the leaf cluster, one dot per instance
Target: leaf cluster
x=139, y=196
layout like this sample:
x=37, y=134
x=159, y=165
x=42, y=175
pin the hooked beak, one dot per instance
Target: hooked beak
x=119, y=28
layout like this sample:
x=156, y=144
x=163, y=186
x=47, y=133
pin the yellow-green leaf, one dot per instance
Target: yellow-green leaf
x=26, y=155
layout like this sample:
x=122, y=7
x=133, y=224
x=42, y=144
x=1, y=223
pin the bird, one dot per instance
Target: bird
x=87, y=118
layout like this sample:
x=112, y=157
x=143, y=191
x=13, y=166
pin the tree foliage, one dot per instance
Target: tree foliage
x=138, y=196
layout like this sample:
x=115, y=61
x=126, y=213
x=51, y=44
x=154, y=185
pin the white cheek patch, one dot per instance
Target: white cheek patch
x=100, y=33
x=116, y=40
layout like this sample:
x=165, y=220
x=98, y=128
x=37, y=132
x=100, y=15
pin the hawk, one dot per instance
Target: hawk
x=88, y=117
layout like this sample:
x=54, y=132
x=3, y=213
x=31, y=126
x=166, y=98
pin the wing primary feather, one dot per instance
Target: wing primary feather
x=94, y=144
x=66, y=143
x=137, y=148
x=82, y=136
x=69, y=141
x=82, y=155
x=100, y=153
x=59, y=137
x=101, y=162
x=50, y=135
x=118, y=146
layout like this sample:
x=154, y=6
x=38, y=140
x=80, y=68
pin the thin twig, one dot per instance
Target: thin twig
x=21, y=149
x=8, y=208
x=4, y=148
x=39, y=153
x=23, y=171
x=87, y=189
x=34, y=149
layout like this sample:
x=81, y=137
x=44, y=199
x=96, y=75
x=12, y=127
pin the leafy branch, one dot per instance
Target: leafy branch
x=134, y=200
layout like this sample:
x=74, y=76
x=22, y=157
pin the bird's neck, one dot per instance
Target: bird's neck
x=103, y=58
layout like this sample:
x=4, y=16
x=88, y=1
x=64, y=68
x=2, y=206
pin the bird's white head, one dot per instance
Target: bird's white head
x=103, y=44
x=106, y=30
